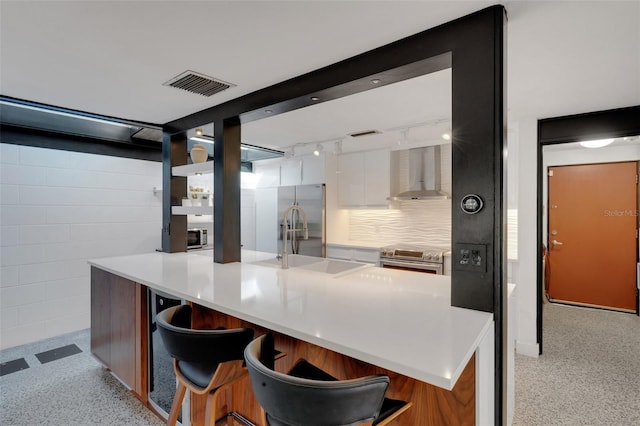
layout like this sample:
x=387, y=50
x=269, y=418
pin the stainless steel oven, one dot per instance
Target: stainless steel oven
x=413, y=258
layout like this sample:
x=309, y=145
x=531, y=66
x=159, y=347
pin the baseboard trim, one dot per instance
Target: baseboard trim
x=528, y=349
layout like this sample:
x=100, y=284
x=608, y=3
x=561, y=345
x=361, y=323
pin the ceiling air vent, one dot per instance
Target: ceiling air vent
x=198, y=83
x=364, y=133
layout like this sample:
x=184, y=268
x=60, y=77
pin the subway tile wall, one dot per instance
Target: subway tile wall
x=57, y=210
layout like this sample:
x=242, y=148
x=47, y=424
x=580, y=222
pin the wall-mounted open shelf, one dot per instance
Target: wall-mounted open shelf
x=193, y=169
x=197, y=210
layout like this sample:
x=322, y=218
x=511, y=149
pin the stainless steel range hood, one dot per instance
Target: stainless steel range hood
x=416, y=175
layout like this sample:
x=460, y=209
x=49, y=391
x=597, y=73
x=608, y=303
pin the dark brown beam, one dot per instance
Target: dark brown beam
x=226, y=191
x=174, y=228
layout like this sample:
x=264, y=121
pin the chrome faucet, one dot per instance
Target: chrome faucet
x=286, y=230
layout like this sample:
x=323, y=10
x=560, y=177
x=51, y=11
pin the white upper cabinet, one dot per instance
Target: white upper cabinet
x=376, y=178
x=363, y=178
x=313, y=169
x=304, y=170
x=351, y=179
x=267, y=173
x=290, y=171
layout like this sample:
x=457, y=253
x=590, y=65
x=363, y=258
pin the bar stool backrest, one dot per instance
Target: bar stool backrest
x=199, y=346
x=289, y=400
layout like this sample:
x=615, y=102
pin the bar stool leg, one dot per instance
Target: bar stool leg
x=176, y=404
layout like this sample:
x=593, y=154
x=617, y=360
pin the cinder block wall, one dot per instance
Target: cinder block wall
x=57, y=210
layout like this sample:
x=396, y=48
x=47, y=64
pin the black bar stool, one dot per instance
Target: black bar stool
x=205, y=361
x=311, y=397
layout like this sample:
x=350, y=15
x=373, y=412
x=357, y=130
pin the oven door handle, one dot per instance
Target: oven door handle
x=411, y=265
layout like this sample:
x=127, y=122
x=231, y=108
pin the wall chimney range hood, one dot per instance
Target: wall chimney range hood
x=416, y=174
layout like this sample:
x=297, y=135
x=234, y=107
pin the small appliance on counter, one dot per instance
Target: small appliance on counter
x=413, y=258
x=196, y=238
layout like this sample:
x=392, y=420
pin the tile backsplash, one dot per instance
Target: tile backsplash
x=423, y=222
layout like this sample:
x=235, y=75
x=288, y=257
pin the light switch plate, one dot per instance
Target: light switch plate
x=470, y=257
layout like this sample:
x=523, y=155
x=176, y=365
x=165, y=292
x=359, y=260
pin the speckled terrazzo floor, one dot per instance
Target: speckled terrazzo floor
x=589, y=373
x=74, y=390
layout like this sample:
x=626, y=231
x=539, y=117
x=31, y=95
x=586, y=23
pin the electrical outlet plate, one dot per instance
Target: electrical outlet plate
x=470, y=257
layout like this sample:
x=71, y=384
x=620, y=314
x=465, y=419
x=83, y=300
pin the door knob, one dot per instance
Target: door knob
x=556, y=243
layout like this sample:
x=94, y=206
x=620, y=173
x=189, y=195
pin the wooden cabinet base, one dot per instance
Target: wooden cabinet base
x=431, y=405
x=119, y=328
x=119, y=339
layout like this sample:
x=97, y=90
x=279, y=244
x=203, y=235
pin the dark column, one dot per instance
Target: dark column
x=226, y=191
x=478, y=117
x=174, y=228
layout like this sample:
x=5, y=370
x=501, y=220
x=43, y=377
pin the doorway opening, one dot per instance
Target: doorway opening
x=578, y=208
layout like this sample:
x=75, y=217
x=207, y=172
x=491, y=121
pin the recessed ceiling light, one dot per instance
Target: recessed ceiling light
x=199, y=132
x=268, y=111
x=375, y=81
x=598, y=143
x=318, y=150
x=315, y=98
x=446, y=136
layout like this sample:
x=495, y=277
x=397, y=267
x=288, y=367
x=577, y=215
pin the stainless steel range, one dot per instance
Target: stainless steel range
x=413, y=258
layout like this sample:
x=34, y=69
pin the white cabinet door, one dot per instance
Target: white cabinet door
x=367, y=255
x=363, y=178
x=357, y=254
x=313, y=169
x=337, y=252
x=290, y=172
x=267, y=173
x=266, y=214
x=351, y=179
x=376, y=178
x=247, y=219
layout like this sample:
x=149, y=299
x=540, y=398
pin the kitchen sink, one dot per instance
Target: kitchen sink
x=333, y=267
x=315, y=264
x=295, y=261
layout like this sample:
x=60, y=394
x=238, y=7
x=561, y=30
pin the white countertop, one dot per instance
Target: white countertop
x=398, y=320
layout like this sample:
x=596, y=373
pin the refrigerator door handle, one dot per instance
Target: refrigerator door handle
x=295, y=245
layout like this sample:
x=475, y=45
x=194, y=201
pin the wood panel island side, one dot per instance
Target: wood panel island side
x=365, y=321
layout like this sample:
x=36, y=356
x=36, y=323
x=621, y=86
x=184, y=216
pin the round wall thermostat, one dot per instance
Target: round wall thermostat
x=471, y=204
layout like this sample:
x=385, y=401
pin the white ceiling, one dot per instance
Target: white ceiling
x=111, y=57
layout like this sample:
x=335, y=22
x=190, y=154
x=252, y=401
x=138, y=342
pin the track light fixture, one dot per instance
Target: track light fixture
x=337, y=147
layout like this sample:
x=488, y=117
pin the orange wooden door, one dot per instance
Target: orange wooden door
x=592, y=215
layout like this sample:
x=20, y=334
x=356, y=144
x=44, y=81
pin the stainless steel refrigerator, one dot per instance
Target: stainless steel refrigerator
x=312, y=200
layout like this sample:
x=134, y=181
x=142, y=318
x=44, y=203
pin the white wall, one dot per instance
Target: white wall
x=58, y=209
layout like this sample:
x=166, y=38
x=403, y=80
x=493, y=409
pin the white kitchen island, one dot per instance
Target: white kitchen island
x=399, y=321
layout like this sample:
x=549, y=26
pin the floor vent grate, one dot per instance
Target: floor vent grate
x=198, y=83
